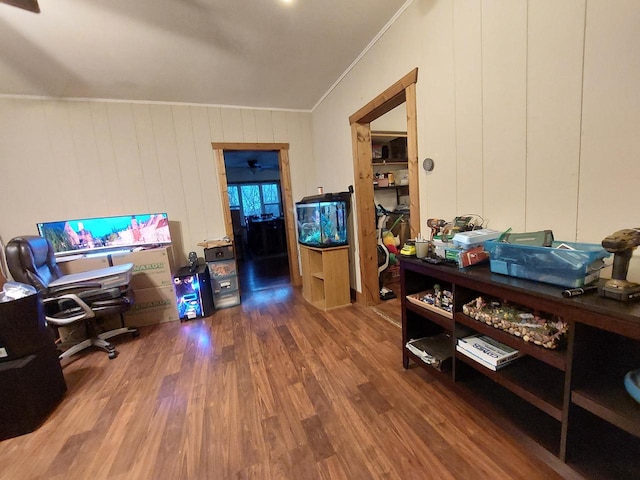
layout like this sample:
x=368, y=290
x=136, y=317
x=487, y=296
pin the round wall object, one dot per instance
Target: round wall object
x=427, y=164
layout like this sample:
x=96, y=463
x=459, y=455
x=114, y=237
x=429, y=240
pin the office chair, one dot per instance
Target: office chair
x=71, y=299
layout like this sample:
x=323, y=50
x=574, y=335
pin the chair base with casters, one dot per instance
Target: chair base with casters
x=70, y=307
x=75, y=299
x=100, y=341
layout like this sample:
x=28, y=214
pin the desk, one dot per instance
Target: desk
x=266, y=236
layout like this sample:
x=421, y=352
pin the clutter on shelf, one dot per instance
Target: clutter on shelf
x=436, y=350
x=520, y=321
x=437, y=300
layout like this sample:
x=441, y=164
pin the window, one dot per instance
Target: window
x=255, y=199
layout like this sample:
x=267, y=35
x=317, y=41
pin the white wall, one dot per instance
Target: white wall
x=76, y=159
x=530, y=110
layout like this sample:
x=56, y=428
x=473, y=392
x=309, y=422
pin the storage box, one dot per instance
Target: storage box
x=152, y=306
x=216, y=254
x=224, y=284
x=79, y=264
x=402, y=177
x=571, y=267
x=474, y=238
x=151, y=268
x=383, y=182
x=226, y=300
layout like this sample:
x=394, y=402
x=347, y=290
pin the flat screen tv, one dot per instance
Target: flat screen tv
x=106, y=233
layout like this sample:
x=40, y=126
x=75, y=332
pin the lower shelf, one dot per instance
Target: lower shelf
x=509, y=411
x=532, y=381
x=606, y=397
x=600, y=450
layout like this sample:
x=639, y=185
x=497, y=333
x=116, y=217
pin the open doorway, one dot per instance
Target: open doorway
x=401, y=92
x=257, y=206
x=257, y=218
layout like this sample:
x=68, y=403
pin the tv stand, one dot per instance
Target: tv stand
x=567, y=405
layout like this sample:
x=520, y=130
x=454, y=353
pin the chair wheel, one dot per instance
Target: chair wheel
x=112, y=354
x=135, y=334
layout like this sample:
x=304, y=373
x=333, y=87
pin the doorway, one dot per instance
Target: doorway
x=258, y=210
x=403, y=91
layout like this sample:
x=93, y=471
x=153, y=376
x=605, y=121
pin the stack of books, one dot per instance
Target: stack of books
x=487, y=351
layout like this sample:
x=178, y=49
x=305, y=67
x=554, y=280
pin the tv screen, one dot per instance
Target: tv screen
x=106, y=233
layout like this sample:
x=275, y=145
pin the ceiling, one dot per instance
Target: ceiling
x=255, y=53
x=262, y=159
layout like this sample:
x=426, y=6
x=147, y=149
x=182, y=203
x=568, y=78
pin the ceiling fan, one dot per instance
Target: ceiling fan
x=31, y=5
x=254, y=165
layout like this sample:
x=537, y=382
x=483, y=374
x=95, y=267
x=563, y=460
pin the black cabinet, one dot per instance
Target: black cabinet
x=30, y=372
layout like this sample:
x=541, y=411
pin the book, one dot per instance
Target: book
x=436, y=350
x=488, y=349
x=479, y=360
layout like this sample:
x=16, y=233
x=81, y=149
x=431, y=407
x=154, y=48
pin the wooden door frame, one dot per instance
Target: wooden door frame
x=285, y=190
x=403, y=91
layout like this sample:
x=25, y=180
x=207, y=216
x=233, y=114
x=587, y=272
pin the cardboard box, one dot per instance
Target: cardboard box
x=76, y=332
x=152, y=306
x=77, y=264
x=151, y=268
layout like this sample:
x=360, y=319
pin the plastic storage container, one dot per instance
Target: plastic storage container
x=558, y=266
x=222, y=269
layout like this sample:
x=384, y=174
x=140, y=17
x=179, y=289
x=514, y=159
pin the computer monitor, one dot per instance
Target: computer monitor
x=106, y=233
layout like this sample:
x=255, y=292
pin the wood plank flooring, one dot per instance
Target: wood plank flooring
x=271, y=389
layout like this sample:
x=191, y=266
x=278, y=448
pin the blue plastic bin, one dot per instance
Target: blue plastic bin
x=567, y=268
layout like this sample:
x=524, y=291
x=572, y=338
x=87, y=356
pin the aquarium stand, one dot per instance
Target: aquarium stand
x=325, y=276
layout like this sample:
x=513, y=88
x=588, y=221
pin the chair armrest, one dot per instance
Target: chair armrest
x=86, y=311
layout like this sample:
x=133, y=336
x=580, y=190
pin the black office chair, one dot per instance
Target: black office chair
x=70, y=299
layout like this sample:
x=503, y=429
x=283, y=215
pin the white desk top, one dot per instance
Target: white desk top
x=109, y=275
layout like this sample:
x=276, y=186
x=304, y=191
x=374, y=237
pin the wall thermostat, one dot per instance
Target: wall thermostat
x=428, y=164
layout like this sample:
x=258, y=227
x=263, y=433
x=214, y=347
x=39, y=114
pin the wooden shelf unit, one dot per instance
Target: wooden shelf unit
x=561, y=390
x=325, y=276
x=392, y=146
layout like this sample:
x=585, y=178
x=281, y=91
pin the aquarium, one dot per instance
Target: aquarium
x=322, y=220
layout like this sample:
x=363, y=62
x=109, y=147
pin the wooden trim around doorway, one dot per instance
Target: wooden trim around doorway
x=404, y=90
x=287, y=197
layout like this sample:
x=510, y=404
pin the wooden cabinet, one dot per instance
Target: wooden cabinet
x=569, y=401
x=325, y=276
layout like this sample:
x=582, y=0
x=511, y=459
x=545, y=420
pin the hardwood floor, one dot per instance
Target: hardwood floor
x=270, y=389
x=260, y=273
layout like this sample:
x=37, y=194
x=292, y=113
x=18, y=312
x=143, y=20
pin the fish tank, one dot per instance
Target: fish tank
x=322, y=220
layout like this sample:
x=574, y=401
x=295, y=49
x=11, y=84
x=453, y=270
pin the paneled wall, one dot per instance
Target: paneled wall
x=75, y=159
x=530, y=109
